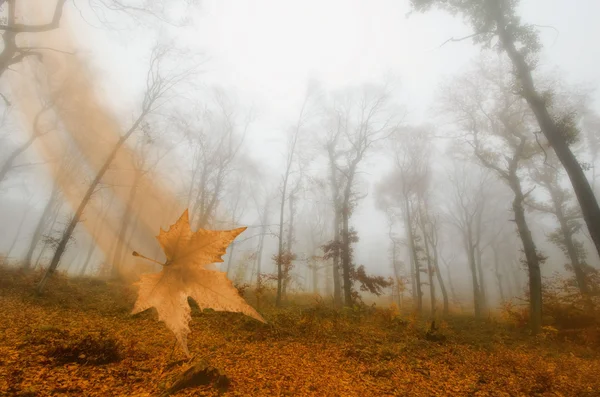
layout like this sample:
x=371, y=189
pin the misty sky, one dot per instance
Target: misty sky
x=265, y=52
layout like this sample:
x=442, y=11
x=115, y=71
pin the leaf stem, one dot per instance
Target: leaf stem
x=135, y=253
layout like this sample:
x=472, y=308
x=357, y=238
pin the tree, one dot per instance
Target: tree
x=142, y=166
x=66, y=163
x=399, y=190
x=498, y=19
x=429, y=225
x=284, y=255
x=157, y=86
x=548, y=176
x=216, y=142
x=360, y=120
x=38, y=131
x=12, y=53
x=499, y=129
x=463, y=212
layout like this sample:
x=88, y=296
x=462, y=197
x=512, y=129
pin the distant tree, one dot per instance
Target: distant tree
x=498, y=128
x=520, y=42
x=284, y=257
x=399, y=191
x=358, y=121
x=548, y=176
x=157, y=85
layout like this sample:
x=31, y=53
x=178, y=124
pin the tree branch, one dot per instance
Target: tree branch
x=21, y=28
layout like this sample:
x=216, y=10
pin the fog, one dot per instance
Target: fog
x=294, y=119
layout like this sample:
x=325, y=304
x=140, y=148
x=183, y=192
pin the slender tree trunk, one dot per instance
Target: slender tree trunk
x=290, y=238
x=429, y=265
x=263, y=231
x=581, y=186
x=569, y=243
x=62, y=245
x=481, y=276
x=51, y=228
x=395, y=269
x=473, y=267
x=230, y=259
x=337, y=288
x=127, y=215
x=280, y=247
x=88, y=257
x=346, y=259
x=533, y=261
x=17, y=234
x=39, y=229
x=455, y=298
x=9, y=162
x=413, y=255
x=498, y=274
x=440, y=280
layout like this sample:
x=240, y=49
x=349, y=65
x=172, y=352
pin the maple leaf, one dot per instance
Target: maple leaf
x=185, y=274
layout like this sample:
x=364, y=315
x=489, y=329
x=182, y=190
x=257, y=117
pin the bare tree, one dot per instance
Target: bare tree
x=216, y=144
x=157, y=86
x=410, y=147
x=363, y=119
x=12, y=53
x=284, y=253
x=520, y=42
x=548, y=177
x=499, y=129
x=464, y=213
x=38, y=131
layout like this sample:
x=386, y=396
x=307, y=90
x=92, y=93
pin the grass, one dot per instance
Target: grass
x=79, y=339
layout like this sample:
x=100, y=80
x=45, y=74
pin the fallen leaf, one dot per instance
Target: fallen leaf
x=185, y=275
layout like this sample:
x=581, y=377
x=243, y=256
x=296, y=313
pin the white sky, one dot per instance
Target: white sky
x=267, y=50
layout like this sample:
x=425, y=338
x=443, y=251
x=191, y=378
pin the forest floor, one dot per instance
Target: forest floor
x=78, y=339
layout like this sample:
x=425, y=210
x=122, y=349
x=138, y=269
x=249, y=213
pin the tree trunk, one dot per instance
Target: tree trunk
x=581, y=186
x=127, y=215
x=498, y=274
x=413, y=255
x=51, y=228
x=8, y=164
x=263, y=231
x=533, y=261
x=482, y=289
x=440, y=280
x=91, y=250
x=280, y=247
x=289, y=243
x=230, y=259
x=470, y=247
x=346, y=259
x=569, y=244
x=455, y=298
x=429, y=265
x=82, y=205
x=39, y=229
x=17, y=234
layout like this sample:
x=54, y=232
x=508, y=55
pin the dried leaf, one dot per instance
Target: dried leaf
x=185, y=274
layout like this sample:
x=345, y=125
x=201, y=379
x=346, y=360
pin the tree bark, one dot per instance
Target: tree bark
x=470, y=247
x=346, y=259
x=533, y=261
x=581, y=186
x=429, y=265
x=337, y=291
x=413, y=255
